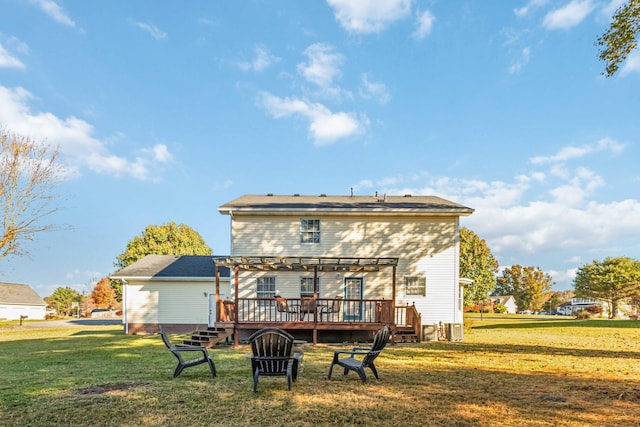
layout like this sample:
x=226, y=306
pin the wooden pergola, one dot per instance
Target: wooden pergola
x=302, y=264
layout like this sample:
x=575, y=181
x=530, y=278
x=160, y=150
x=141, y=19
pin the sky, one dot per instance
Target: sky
x=164, y=111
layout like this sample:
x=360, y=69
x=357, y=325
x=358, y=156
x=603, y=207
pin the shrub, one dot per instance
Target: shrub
x=584, y=315
x=500, y=308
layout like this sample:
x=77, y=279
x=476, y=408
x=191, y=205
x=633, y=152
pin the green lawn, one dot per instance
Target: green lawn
x=506, y=372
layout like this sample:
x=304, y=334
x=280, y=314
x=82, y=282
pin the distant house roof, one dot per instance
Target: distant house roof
x=166, y=267
x=15, y=294
x=392, y=205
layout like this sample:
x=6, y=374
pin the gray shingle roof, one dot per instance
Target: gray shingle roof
x=172, y=266
x=15, y=294
x=414, y=205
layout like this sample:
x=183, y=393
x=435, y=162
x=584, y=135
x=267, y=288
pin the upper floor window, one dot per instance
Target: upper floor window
x=265, y=288
x=309, y=231
x=415, y=285
x=306, y=287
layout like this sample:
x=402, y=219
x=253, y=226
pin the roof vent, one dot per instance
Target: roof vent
x=296, y=195
x=270, y=194
x=407, y=195
x=323, y=195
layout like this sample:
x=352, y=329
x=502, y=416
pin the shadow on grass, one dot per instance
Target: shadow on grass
x=552, y=323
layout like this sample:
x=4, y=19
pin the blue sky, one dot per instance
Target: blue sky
x=164, y=111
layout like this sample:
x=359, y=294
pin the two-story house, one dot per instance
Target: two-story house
x=368, y=260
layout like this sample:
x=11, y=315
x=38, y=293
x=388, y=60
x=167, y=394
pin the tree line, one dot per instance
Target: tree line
x=613, y=280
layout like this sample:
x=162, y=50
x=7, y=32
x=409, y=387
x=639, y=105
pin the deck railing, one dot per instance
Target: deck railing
x=324, y=310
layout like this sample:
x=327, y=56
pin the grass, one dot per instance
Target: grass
x=506, y=372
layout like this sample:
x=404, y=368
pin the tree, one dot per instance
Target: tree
x=528, y=285
x=476, y=263
x=103, y=294
x=612, y=281
x=61, y=300
x=620, y=39
x=167, y=239
x=28, y=173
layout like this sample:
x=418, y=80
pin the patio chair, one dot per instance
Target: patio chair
x=360, y=358
x=181, y=349
x=282, y=306
x=330, y=309
x=307, y=306
x=273, y=355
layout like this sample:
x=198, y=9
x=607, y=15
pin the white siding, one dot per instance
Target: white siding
x=184, y=302
x=13, y=312
x=426, y=246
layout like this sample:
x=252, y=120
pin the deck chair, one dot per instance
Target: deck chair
x=180, y=349
x=334, y=307
x=273, y=355
x=360, y=358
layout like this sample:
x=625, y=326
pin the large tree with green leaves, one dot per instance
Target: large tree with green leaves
x=621, y=37
x=476, y=263
x=61, y=299
x=167, y=239
x=528, y=285
x=612, y=281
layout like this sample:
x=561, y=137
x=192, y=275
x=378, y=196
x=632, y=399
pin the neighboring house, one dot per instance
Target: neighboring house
x=378, y=253
x=178, y=292
x=507, y=300
x=20, y=300
x=579, y=304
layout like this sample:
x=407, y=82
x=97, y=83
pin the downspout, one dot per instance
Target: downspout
x=125, y=312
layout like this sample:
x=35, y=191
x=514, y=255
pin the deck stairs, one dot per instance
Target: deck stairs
x=209, y=337
x=405, y=334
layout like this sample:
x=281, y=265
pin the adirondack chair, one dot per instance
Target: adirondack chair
x=180, y=349
x=360, y=358
x=273, y=355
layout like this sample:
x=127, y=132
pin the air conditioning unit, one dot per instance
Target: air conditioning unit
x=453, y=331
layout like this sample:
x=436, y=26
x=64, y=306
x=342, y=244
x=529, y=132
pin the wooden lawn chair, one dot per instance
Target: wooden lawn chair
x=331, y=309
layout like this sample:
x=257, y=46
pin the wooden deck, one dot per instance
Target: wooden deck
x=309, y=317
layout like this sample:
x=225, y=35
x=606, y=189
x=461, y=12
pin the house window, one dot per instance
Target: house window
x=306, y=286
x=266, y=288
x=414, y=285
x=309, y=231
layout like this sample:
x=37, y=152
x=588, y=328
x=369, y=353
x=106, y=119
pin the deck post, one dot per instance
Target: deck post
x=236, y=339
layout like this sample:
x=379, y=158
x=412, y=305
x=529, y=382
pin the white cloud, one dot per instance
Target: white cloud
x=374, y=90
x=568, y=16
x=78, y=147
x=151, y=29
x=610, y=9
x=325, y=126
x=322, y=66
x=532, y=4
x=369, y=16
x=631, y=65
x=424, y=22
x=9, y=61
x=521, y=61
x=568, y=153
x=261, y=61
x=539, y=215
x=54, y=11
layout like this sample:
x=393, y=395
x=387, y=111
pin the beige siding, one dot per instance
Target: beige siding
x=170, y=302
x=426, y=246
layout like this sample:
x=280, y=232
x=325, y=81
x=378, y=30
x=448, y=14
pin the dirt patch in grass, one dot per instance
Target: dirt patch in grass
x=108, y=388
